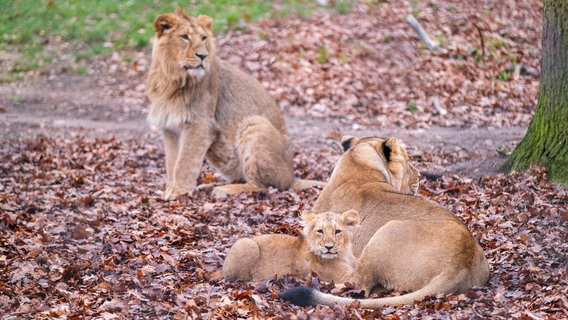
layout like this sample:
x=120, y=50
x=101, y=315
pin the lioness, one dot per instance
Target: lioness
x=205, y=108
x=404, y=242
x=325, y=249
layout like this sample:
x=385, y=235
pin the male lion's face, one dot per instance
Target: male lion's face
x=184, y=44
x=329, y=234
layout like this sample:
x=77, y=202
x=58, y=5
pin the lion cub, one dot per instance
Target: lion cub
x=207, y=109
x=325, y=249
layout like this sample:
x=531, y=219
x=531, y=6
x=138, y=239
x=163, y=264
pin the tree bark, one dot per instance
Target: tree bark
x=546, y=140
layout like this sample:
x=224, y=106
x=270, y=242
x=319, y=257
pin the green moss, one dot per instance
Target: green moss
x=322, y=56
x=412, y=106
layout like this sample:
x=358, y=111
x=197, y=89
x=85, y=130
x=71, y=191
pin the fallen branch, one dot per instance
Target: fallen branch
x=430, y=44
x=438, y=106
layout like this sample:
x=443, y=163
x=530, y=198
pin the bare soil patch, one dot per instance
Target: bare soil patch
x=67, y=105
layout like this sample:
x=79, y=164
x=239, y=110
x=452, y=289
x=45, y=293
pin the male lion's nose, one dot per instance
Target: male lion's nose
x=329, y=247
x=201, y=56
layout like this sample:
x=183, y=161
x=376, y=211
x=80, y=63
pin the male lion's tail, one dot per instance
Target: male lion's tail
x=300, y=184
x=303, y=296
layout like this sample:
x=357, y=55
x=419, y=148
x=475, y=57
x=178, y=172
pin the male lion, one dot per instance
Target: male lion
x=205, y=108
x=404, y=242
x=325, y=249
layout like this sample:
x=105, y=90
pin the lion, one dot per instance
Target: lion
x=324, y=249
x=208, y=109
x=405, y=243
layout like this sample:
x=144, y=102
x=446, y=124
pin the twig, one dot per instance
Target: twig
x=491, y=252
x=479, y=31
x=430, y=44
x=480, y=39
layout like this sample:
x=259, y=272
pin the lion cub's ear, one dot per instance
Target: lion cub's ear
x=205, y=21
x=393, y=150
x=348, y=141
x=351, y=218
x=164, y=22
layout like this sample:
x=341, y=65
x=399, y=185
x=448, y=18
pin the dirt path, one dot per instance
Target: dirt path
x=69, y=106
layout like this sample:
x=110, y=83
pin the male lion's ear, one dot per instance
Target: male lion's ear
x=164, y=22
x=205, y=21
x=348, y=141
x=182, y=13
x=393, y=150
x=351, y=218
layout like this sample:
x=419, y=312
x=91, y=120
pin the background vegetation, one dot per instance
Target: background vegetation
x=38, y=31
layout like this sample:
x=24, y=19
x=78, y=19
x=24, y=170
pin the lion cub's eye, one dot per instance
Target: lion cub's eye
x=203, y=38
x=185, y=37
x=320, y=231
x=337, y=231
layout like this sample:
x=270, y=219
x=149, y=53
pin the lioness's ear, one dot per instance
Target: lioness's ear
x=164, y=22
x=348, y=141
x=393, y=150
x=307, y=217
x=351, y=218
x=205, y=21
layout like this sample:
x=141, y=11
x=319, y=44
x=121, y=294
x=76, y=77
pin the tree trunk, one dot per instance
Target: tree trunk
x=546, y=140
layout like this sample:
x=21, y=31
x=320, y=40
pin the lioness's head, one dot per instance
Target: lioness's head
x=385, y=156
x=329, y=234
x=184, y=45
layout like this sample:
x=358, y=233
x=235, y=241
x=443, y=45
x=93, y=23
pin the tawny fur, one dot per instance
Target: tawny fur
x=404, y=242
x=206, y=108
x=325, y=250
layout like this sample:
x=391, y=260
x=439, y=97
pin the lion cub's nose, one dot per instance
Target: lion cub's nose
x=201, y=56
x=329, y=247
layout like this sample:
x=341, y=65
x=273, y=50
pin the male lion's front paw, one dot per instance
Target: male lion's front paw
x=169, y=196
x=205, y=186
x=222, y=192
x=173, y=192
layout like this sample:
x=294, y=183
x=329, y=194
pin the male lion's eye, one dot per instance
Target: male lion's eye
x=337, y=231
x=203, y=38
x=320, y=231
x=185, y=37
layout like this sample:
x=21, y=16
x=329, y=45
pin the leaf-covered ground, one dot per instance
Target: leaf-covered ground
x=369, y=66
x=85, y=234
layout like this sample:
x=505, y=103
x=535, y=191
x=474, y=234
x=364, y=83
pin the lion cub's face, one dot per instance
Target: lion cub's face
x=329, y=234
x=184, y=44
